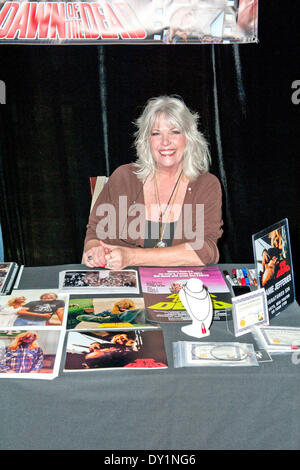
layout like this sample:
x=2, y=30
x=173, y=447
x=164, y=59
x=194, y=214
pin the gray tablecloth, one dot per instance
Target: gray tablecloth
x=176, y=408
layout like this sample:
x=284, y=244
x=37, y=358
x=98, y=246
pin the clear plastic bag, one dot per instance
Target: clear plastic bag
x=197, y=354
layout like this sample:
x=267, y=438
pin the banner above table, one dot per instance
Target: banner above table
x=129, y=22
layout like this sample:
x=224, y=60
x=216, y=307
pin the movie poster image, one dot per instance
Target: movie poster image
x=129, y=21
x=99, y=281
x=106, y=312
x=273, y=262
x=30, y=354
x=119, y=349
x=161, y=286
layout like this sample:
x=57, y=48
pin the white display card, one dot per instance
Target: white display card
x=249, y=310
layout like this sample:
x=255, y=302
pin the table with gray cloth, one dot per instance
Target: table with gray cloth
x=175, y=408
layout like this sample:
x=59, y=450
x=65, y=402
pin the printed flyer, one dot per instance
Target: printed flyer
x=160, y=287
x=273, y=262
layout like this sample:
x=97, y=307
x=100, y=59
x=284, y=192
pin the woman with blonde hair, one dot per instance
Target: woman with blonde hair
x=271, y=258
x=23, y=355
x=8, y=313
x=166, y=208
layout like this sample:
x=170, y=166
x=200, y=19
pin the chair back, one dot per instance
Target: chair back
x=96, y=185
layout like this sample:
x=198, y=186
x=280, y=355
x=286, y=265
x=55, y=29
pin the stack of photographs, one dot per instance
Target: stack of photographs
x=109, y=329
x=32, y=328
x=8, y=275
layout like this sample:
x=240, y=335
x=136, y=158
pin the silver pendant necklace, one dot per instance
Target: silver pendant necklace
x=161, y=242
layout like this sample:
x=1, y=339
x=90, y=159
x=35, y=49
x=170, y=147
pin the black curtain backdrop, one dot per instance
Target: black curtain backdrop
x=69, y=115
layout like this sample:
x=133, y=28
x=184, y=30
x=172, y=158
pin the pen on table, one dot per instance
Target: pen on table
x=234, y=278
x=246, y=276
x=241, y=278
x=238, y=277
x=250, y=277
x=226, y=274
x=253, y=276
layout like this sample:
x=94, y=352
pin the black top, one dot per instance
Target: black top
x=152, y=233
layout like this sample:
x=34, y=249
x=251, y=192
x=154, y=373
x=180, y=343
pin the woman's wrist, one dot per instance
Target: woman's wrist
x=91, y=244
x=133, y=256
x=179, y=255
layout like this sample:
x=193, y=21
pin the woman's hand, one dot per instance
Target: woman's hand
x=117, y=257
x=95, y=256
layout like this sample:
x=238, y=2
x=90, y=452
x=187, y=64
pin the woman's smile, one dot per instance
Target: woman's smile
x=167, y=144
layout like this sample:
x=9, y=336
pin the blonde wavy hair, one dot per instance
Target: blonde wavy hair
x=16, y=300
x=196, y=154
x=18, y=340
x=128, y=304
x=276, y=235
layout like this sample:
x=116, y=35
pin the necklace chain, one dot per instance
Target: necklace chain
x=188, y=304
x=162, y=228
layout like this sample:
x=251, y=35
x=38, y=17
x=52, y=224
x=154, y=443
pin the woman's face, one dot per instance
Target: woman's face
x=29, y=338
x=167, y=144
x=275, y=240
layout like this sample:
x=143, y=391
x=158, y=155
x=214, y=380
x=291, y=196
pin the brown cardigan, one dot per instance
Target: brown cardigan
x=206, y=190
